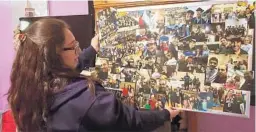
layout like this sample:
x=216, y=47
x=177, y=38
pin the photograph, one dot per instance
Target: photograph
x=176, y=23
x=235, y=28
x=199, y=14
x=108, y=24
x=215, y=99
x=128, y=93
x=220, y=67
x=217, y=30
x=125, y=21
x=221, y=12
x=199, y=32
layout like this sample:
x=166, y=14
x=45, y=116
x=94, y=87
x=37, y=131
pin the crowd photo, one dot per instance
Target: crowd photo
x=192, y=58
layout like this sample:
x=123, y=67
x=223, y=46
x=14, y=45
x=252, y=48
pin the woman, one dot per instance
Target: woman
x=228, y=100
x=48, y=94
x=130, y=91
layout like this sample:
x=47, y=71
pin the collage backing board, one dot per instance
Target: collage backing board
x=180, y=55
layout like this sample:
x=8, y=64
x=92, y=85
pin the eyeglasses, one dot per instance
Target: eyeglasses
x=76, y=48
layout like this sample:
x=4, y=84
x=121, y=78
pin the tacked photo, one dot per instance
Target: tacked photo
x=199, y=32
x=144, y=92
x=236, y=27
x=221, y=12
x=105, y=72
x=235, y=101
x=199, y=14
x=187, y=61
x=175, y=22
x=187, y=100
x=217, y=30
x=206, y=100
x=221, y=67
x=102, y=68
x=188, y=81
x=128, y=74
x=162, y=101
x=128, y=89
x=107, y=21
x=126, y=21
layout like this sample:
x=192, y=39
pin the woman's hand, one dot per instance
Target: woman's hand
x=95, y=42
x=173, y=112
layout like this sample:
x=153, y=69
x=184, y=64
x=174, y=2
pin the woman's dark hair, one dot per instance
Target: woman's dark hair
x=37, y=73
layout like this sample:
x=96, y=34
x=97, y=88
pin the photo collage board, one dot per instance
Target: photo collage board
x=194, y=58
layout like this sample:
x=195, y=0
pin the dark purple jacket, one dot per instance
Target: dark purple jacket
x=76, y=109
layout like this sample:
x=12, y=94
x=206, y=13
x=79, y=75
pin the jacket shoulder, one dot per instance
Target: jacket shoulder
x=70, y=106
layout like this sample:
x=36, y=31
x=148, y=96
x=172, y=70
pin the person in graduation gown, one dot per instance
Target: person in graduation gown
x=198, y=19
x=57, y=97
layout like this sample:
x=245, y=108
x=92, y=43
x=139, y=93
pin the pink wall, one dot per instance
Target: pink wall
x=56, y=8
x=7, y=52
x=62, y=8
x=220, y=123
x=206, y=122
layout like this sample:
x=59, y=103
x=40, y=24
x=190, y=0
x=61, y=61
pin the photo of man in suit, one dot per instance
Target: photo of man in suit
x=198, y=19
x=211, y=71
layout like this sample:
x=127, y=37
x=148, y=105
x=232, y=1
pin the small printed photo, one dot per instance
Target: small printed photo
x=113, y=81
x=128, y=93
x=128, y=89
x=218, y=91
x=162, y=101
x=206, y=99
x=128, y=74
x=174, y=97
x=107, y=21
x=199, y=15
x=164, y=43
x=130, y=35
x=220, y=67
x=199, y=32
x=237, y=63
x=124, y=20
x=240, y=81
x=143, y=100
x=218, y=75
x=187, y=81
x=221, y=12
x=106, y=52
x=188, y=100
x=153, y=20
x=236, y=28
x=186, y=63
x=102, y=68
x=217, y=30
x=233, y=46
x=175, y=16
x=235, y=101
x=178, y=31
x=129, y=62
